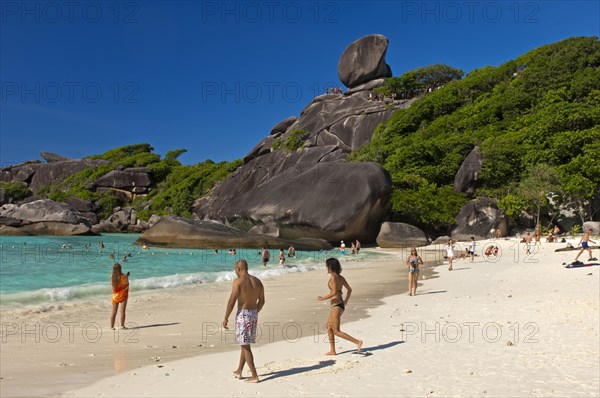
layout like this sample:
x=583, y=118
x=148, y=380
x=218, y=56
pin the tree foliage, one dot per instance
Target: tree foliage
x=177, y=185
x=419, y=81
x=541, y=108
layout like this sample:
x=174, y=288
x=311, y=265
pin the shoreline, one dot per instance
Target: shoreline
x=523, y=319
x=171, y=325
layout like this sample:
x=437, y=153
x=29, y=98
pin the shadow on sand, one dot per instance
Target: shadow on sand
x=434, y=292
x=375, y=348
x=293, y=371
x=155, y=325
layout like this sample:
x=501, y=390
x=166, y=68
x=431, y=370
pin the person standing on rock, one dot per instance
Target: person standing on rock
x=585, y=244
x=266, y=255
x=249, y=293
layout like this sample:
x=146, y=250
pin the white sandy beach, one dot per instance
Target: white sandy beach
x=514, y=327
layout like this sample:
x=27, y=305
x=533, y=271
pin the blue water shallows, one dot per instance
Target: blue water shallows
x=47, y=269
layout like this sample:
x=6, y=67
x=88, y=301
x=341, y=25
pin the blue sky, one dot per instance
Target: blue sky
x=81, y=77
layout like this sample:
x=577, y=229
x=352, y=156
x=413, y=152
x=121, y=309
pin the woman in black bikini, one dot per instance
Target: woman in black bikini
x=338, y=304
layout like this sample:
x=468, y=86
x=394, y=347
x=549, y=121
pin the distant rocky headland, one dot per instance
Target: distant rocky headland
x=306, y=182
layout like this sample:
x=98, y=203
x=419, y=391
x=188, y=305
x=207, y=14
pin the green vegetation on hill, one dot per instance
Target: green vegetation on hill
x=542, y=108
x=177, y=185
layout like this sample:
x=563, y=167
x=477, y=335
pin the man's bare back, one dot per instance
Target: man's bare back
x=250, y=291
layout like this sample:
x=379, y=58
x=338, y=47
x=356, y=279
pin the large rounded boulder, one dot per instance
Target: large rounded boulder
x=397, y=234
x=45, y=217
x=478, y=218
x=331, y=200
x=364, y=60
x=466, y=178
x=173, y=231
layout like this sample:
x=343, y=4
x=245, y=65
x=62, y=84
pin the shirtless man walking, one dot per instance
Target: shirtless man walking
x=585, y=244
x=249, y=293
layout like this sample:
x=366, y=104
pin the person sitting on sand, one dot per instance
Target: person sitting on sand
x=585, y=244
x=338, y=304
x=550, y=238
x=556, y=231
x=249, y=293
x=413, y=261
x=488, y=250
x=120, y=286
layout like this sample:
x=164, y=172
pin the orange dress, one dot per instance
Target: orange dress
x=121, y=292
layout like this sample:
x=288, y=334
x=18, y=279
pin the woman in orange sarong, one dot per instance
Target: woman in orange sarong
x=120, y=285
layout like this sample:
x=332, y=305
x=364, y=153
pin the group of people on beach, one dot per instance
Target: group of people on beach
x=249, y=294
x=354, y=247
x=265, y=255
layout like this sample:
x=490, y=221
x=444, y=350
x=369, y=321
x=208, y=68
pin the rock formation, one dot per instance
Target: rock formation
x=42, y=217
x=311, y=191
x=477, y=218
x=172, y=231
x=397, y=234
x=364, y=60
x=466, y=178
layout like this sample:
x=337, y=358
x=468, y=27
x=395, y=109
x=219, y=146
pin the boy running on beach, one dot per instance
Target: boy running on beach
x=585, y=244
x=249, y=293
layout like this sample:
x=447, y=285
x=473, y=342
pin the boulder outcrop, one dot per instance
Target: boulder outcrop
x=172, y=231
x=44, y=217
x=364, y=60
x=132, y=181
x=397, y=234
x=477, y=219
x=331, y=200
x=466, y=178
x=308, y=190
x=593, y=225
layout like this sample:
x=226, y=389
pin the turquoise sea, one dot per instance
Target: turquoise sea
x=43, y=270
